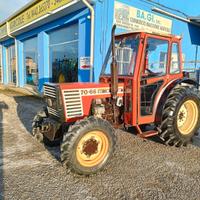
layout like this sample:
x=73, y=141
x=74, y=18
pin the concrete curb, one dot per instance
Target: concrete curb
x=26, y=91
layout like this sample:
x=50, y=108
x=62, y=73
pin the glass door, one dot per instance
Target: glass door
x=11, y=64
x=31, y=61
x=1, y=70
x=153, y=76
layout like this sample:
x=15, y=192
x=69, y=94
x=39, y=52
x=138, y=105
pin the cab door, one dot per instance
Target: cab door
x=153, y=76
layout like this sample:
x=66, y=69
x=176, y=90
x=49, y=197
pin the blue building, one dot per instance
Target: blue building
x=52, y=40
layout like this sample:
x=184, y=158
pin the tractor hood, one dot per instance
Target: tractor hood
x=77, y=97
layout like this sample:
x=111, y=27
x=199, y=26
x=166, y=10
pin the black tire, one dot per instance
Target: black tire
x=71, y=141
x=171, y=132
x=36, y=127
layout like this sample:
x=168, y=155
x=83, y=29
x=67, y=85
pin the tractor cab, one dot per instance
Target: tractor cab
x=146, y=63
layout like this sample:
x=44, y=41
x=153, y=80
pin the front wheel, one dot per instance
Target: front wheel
x=36, y=130
x=181, y=116
x=88, y=145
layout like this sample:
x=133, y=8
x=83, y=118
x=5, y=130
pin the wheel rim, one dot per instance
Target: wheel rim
x=92, y=149
x=187, y=117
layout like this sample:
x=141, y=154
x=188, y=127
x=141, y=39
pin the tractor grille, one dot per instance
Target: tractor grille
x=50, y=94
x=73, y=103
x=53, y=111
x=50, y=91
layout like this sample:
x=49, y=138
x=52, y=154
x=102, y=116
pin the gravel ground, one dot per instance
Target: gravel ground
x=140, y=170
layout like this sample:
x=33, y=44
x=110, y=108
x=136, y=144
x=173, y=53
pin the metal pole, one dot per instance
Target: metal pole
x=197, y=69
x=91, y=38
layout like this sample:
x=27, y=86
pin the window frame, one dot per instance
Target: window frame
x=107, y=61
x=167, y=60
x=132, y=62
x=178, y=56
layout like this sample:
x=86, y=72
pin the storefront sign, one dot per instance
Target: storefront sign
x=134, y=19
x=36, y=11
x=84, y=63
x=3, y=31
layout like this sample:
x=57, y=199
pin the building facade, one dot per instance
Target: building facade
x=49, y=40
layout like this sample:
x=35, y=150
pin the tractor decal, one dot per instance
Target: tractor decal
x=97, y=91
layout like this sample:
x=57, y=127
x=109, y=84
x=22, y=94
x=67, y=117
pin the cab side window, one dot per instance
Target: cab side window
x=156, y=57
x=175, y=59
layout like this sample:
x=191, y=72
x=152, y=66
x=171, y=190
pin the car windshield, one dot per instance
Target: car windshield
x=126, y=52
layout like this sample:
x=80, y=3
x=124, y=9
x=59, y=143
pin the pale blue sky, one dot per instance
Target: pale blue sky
x=8, y=7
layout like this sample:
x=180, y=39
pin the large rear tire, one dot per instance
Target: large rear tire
x=88, y=145
x=181, y=116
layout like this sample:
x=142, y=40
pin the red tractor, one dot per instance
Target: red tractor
x=143, y=85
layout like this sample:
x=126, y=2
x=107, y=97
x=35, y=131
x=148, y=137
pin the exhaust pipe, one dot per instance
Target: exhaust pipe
x=114, y=78
x=114, y=70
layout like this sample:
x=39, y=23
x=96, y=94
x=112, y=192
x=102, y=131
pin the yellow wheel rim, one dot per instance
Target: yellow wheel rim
x=187, y=117
x=92, y=149
x=61, y=78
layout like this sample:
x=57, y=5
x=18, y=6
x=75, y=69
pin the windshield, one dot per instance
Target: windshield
x=126, y=52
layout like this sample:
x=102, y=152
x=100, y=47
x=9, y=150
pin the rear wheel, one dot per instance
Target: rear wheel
x=187, y=117
x=88, y=145
x=181, y=116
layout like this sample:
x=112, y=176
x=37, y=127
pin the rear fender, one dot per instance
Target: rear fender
x=165, y=92
x=189, y=81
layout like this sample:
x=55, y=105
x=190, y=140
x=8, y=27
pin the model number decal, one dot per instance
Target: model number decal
x=97, y=91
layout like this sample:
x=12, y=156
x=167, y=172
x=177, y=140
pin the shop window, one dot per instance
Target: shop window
x=11, y=64
x=63, y=47
x=1, y=70
x=31, y=61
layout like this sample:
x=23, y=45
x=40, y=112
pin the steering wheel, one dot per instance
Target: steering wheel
x=149, y=71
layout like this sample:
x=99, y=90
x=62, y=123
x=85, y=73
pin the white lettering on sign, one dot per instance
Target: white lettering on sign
x=133, y=19
x=84, y=63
